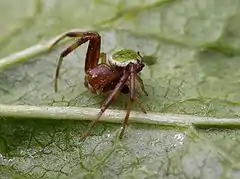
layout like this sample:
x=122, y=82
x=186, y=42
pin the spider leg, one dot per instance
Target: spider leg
x=63, y=54
x=93, y=51
x=67, y=34
x=132, y=98
x=139, y=79
x=140, y=105
x=107, y=102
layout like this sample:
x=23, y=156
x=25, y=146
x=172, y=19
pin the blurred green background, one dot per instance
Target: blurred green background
x=195, y=45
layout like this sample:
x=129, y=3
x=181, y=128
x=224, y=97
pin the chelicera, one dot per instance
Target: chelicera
x=112, y=74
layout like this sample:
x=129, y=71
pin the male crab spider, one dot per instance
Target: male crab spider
x=115, y=73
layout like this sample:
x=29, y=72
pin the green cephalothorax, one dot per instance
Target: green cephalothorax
x=123, y=57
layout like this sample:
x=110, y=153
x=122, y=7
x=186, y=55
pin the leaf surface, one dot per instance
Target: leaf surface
x=193, y=68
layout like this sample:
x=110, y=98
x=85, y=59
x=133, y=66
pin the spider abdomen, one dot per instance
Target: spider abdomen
x=124, y=57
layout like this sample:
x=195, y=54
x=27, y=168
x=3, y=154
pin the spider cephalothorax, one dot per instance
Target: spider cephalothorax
x=106, y=73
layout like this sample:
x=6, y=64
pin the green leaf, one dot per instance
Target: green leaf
x=192, y=56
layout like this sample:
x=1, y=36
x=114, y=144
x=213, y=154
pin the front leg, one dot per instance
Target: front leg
x=93, y=51
x=133, y=98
